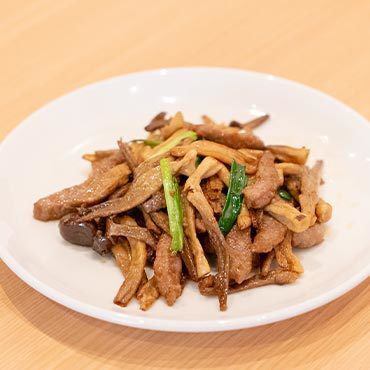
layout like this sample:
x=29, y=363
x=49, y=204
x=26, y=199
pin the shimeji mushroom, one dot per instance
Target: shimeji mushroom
x=288, y=216
x=289, y=154
x=289, y=168
x=323, y=211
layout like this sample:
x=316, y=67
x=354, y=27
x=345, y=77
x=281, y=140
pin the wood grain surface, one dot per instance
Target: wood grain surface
x=49, y=48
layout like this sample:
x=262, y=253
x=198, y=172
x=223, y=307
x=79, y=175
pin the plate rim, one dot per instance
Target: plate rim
x=174, y=325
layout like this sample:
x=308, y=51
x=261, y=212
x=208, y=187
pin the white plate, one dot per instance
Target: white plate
x=43, y=154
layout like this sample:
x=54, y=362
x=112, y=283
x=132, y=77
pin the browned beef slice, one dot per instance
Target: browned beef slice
x=106, y=163
x=310, y=237
x=212, y=189
x=238, y=244
x=232, y=137
x=260, y=194
x=90, y=192
x=156, y=202
x=167, y=270
x=270, y=234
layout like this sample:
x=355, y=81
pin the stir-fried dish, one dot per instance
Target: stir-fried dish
x=204, y=202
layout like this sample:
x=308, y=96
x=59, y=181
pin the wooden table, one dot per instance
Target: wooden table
x=50, y=47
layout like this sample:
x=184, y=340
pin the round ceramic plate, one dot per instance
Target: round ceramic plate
x=43, y=154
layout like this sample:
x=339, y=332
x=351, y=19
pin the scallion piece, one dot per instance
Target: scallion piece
x=172, y=141
x=151, y=143
x=173, y=203
x=234, y=198
x=284, y=194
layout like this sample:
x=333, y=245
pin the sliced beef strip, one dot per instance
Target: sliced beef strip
x=309, y=197
x=212, y=189
x=132, y=163
x=206, y=285
x=267, y=262
x=90, y=192
x=263, y=190
x=256, y=217
x=310, y=237
x=149, y=164
x=167, y=270
x=106, y=163
x=270, y=234
x=119, y=192
x=149, y=223
x=142, y=188
x=160, y=218
x=156, y=202
x=238, y=244
x=230, y=136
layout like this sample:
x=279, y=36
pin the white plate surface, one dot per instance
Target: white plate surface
x=43, y=154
